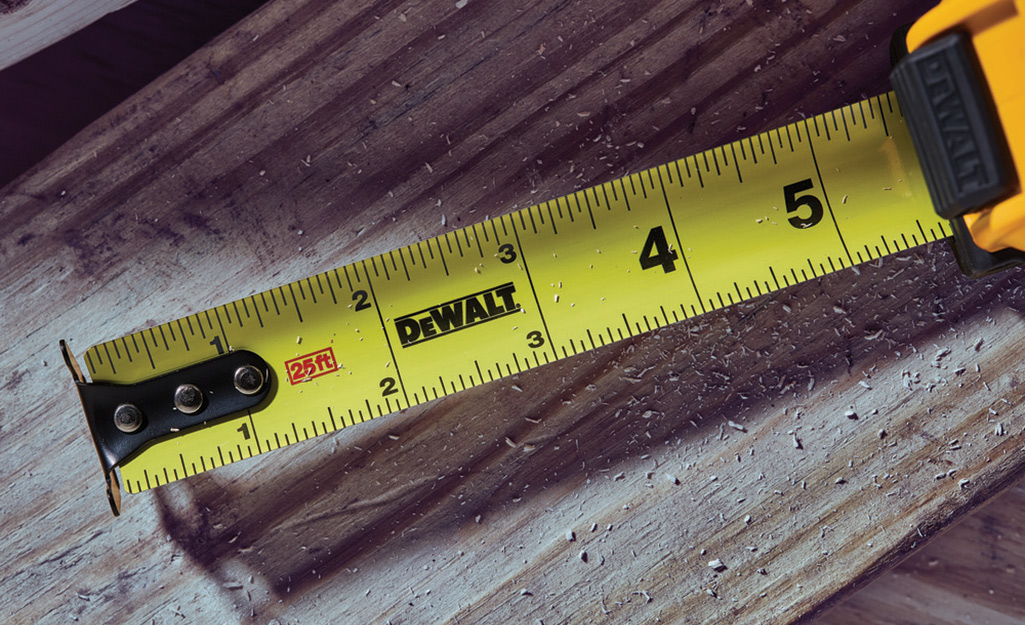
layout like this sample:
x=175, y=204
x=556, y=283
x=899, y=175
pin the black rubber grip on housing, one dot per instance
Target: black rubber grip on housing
x=952, y=121
x=953, y=126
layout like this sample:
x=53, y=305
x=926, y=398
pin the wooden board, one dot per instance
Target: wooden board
x=301, y=140
x=28, y=26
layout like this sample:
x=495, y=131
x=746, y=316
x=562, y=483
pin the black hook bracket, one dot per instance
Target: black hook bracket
x=123, y=418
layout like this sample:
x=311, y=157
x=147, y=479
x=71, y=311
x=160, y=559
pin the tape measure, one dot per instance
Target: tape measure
x=531, y=287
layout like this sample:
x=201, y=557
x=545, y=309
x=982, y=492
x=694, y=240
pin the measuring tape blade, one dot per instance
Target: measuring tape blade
x=541, y=284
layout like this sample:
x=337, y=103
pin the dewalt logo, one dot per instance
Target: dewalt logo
x=458, y=314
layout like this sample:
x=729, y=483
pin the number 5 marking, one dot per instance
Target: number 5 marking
x=795, y=202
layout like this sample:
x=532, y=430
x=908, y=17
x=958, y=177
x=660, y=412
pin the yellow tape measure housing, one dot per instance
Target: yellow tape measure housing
x=542, y=283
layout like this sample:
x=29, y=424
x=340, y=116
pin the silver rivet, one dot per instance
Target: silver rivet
x=128, y=418
x=188, y=398
x=248, y=380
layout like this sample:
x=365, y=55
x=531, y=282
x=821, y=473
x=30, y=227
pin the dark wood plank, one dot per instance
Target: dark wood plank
x=53, y=94
x=970, y=574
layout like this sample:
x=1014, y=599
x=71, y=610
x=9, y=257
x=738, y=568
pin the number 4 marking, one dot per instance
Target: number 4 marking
x=656, y=252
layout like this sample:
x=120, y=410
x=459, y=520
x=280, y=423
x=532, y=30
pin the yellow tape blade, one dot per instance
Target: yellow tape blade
x=543, y=283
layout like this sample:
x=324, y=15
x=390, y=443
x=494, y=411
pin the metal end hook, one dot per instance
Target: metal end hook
x=113, y=486
x=114, y=492
x=69, y=360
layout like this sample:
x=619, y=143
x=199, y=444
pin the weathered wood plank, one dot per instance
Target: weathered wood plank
x=28, y=26
x=319, y=118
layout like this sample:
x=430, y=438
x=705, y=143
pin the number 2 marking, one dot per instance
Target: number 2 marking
x=388, y=384
x=360, y=297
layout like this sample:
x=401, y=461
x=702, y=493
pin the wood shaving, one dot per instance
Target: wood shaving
x=643, y=593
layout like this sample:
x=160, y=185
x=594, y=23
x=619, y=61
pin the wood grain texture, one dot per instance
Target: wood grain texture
x=299, y=141
x=28, y=27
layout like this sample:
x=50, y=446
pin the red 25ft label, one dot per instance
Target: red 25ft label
x=305, y=368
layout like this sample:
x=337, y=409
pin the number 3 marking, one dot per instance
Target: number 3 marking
x=508, y=253
x=536, y=340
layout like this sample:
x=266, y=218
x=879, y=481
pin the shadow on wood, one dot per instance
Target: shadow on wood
x=485, y=451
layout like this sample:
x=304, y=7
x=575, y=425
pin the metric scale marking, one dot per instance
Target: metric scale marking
x=542, y=283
